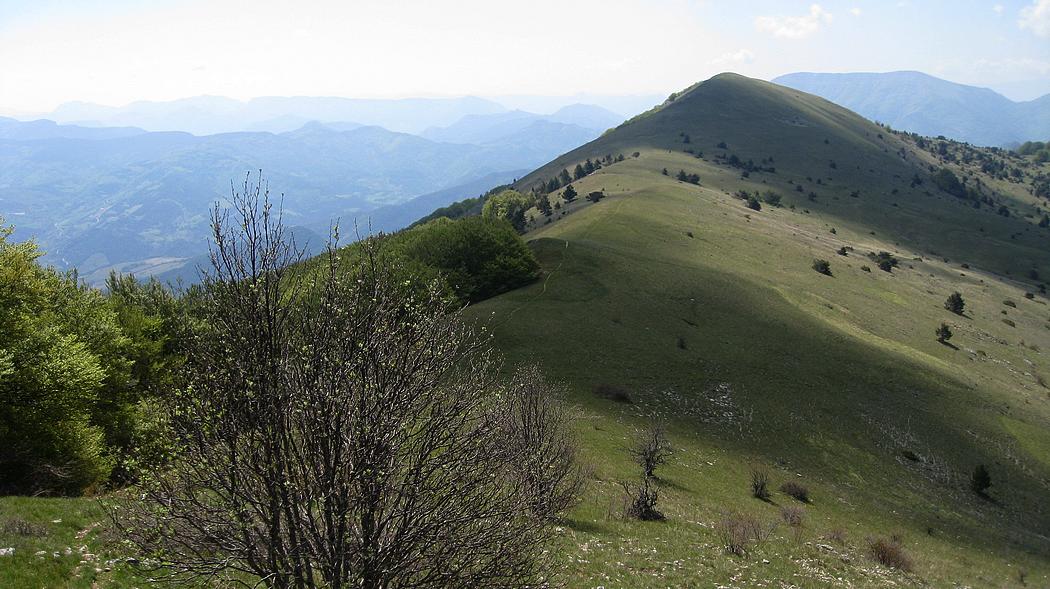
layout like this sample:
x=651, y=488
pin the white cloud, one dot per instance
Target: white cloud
x=734, y=57
x=1036, y=17
x=855, y=11
x=794, y=27
x=998, y=8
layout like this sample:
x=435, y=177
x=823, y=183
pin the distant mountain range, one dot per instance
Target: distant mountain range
x=209, y=115
x=487, y=128
x=920, y=103
x=102, y=198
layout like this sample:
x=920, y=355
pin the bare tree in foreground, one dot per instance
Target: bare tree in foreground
x=340, y=426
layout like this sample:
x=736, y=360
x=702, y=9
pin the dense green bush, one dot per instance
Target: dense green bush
x=58, y=348
x=509, y=205
x=947, y=181
x=478, y=257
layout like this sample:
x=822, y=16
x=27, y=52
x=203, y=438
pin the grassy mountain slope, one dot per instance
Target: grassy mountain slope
x=710, y=315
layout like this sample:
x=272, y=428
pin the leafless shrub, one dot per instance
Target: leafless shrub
x=651, y=449
x=16, y=526
x=540, y=442
x=614, y=393
x=760, y=484
x=337, y=424
x=837, y=535
x=794, y=516
x=640, y=501
x=889, y=552
x=795, y=490
x=740, y=534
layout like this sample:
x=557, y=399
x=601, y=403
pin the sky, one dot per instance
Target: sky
x=117, y=51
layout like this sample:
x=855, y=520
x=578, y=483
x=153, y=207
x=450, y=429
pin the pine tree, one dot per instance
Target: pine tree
x=944, y=333
x=570, y=193
x=564, y=177
x=579, y=172
x=544, y=205
x=588, y=166
x=955, y=303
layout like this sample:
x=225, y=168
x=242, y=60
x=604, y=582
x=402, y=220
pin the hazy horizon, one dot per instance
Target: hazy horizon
x=115, y=52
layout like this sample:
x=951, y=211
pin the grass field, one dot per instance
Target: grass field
x=711, y=316
x=709, y=313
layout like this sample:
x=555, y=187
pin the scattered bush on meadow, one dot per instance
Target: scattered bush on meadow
x=640, y=501
x=884, y=260
x=822, y=266
x=837, y=535
x=890, y=553
x=793, y=489
x=741, y=533
x=955, y=303
x=651, y=449
x=943, y=333
x=794, y=516
x=760, y=484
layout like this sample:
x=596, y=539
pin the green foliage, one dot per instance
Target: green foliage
x=1038, y=150
x=955, y=303
x=885, y=261
x=569, y=194
x=477, y=257
x=509, y=205
x=74, y=366
x=944, y=333
x=56, y=343
x=822, y=266
x=947, y=181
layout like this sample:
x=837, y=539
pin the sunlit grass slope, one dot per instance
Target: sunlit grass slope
x=710, y=315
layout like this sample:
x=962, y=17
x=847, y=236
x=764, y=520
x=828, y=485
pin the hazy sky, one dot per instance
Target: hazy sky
x=117, y=51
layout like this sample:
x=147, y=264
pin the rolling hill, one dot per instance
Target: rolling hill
x=920, y=103
x=707, y=315
x=117, y=198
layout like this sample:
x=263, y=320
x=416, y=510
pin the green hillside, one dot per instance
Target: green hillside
x=710, y=315
x=698, y=304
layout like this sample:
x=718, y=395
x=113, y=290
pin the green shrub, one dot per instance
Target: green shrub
x=943, y=333
x=478, y=257
x=822, y=266
x=955, y=303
